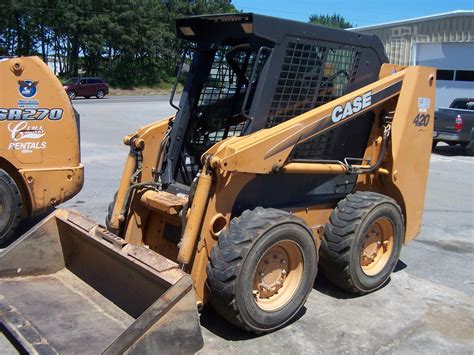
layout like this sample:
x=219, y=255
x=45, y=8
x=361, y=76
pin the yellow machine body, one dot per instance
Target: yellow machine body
x=161, y=241
x=233, y=163
x=39, y=135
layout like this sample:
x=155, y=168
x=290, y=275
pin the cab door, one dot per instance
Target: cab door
x=81, y=88
x=89, y=87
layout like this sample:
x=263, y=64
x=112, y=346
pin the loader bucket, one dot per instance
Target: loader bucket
x=70, y=286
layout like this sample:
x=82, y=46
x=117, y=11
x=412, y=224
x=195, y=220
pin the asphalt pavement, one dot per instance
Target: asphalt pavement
x=427, y=307
x=121, y=99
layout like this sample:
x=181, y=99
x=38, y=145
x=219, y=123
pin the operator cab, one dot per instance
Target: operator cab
x=249, y=72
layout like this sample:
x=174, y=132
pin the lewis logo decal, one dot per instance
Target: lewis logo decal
x=22, y=131
x=26, y=138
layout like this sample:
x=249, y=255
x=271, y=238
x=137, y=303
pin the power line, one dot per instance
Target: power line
x=51, y=9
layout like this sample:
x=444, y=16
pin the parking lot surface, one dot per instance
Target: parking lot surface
x=427, y=307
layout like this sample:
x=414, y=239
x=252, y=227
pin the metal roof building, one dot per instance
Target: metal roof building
x=444, y=41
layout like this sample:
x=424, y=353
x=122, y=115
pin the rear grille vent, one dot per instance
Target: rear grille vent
x=311, y=75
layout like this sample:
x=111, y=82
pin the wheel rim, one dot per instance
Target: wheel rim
x=278, y=275
x=72, y=95
x=100, y=94
x=377, y=246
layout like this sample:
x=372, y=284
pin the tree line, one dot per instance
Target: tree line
x=127, y=42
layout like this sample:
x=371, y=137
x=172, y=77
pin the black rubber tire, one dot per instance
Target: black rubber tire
x=469, y=148
x=110, y=209
x=433, y=145
x=10, y=199
x=72, y=94
x=233, y=260
x=343, y=234
x=100, y=94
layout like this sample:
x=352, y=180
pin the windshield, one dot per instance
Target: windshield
x=70, y=81
x=463, y=104
x=216, y=96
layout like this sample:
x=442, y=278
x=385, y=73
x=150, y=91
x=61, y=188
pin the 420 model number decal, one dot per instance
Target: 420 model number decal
x=30, y=114
x=421, y=119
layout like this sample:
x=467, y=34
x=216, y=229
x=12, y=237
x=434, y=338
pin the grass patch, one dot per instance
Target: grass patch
x=161, y=89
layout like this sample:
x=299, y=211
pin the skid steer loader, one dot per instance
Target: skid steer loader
x=39, y=143
x=294, y=146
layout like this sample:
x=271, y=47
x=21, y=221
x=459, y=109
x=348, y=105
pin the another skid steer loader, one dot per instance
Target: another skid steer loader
x=40, y=163
x=293, y=146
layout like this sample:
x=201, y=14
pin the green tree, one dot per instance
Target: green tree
x=335, y=20
x=128, y=42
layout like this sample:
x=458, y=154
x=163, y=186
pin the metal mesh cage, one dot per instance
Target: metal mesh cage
x=220, y=103
x=311, y=75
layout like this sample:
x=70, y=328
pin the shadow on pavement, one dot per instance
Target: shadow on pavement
x=223, y=329
x=27, y=224
x=323, y=285
x=400, y=266
x=93, y=98
x=450, y=151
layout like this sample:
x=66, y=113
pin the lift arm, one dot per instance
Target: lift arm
x=267, y=150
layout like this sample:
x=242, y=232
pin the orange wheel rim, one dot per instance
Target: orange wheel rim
x=377, y=246
x=278, y=275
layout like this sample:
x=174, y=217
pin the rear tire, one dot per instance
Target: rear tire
x=100, y=94
x=10, y=208
x=71, y=94
x=433, y=145
x=469, y=148
x=262, y=269
x=362, y=242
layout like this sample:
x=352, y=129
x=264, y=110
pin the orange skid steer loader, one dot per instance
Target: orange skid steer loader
x=39, y=143
x=294, y=147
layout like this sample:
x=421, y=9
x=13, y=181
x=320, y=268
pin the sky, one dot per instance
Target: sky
x=360, y=13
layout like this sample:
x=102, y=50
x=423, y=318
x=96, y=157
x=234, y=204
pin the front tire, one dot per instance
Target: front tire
x=362, y=242
x=262, y=269
x=71, y=94
x=10, y=208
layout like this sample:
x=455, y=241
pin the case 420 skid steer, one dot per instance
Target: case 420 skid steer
x=294, y=147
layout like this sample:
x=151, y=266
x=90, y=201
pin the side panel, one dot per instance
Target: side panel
x=412, y=133
x=409, y=155
x=38, y=130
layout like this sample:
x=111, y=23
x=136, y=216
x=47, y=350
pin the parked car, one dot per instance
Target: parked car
x=86, y=87
x=455, y=125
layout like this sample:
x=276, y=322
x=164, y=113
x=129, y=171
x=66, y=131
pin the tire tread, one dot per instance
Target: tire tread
x=228, y=254
x=17, y=208
x=340, y=232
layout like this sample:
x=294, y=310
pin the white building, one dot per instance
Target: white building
x=444, y=41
